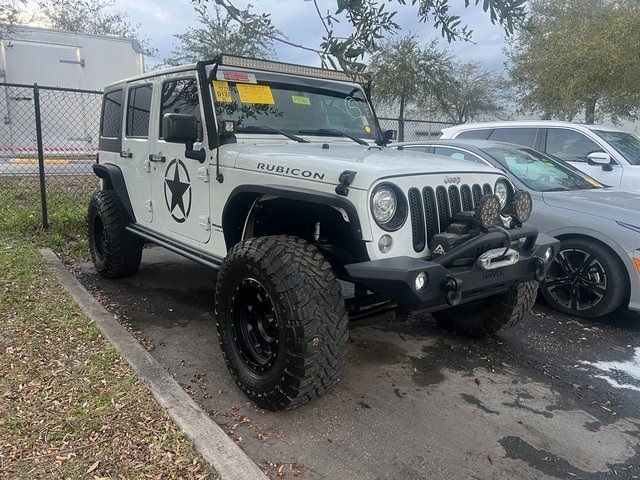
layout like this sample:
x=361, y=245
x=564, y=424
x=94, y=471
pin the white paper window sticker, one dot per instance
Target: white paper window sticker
x=457, y=156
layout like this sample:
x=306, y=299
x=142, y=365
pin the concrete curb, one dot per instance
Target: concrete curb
x=215, y=446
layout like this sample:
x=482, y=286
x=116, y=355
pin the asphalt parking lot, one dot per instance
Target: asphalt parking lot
x=554, y=397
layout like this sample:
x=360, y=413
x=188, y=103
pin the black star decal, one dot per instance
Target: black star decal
x=178, y=190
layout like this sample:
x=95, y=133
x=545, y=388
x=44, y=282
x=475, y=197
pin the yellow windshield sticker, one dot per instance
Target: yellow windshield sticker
x=593, y=182
x=221, y=89
x=367, y=128
x=255, y=94
x=301, y=100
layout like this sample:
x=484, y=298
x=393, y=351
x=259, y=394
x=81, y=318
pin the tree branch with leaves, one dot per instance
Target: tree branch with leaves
x=370, y=21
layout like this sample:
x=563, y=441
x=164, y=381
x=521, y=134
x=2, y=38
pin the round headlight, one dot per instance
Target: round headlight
x=488, y=211
x=522, y=206
x=384, y=204
x=502, y=192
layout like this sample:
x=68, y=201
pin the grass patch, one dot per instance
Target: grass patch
x=70, y=407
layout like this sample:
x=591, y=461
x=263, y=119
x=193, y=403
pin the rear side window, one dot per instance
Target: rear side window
x=457, y=154
x=570, y=145
x=476, y=134
x=111, y=114
x=415, y=148
x=520, y=136
x=181, y=96
x=138, y=111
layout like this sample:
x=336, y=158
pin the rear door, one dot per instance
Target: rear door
x=136, y=147
x=180, y=186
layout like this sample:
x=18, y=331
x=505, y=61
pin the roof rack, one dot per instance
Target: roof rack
x=281, y=67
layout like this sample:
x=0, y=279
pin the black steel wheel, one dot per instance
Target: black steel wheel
x=281, y=321
x=585, y=279
x=255, y=325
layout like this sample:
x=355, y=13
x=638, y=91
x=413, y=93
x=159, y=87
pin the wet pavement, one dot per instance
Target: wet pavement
x=554, y=397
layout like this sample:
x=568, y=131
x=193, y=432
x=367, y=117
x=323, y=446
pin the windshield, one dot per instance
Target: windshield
x=626, y=144
x=540, y=172
x=293, y=105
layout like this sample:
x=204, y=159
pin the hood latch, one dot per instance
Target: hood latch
x=345, y=179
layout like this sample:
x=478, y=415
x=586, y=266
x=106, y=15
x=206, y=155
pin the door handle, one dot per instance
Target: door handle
x=126, y=154
x=157, y=158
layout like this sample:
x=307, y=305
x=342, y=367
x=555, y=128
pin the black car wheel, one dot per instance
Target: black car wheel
x=586, y=279
x=116, y=253
x=281, y=321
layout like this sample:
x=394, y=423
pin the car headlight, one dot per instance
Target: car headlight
x=502, y=191
x=388, y=206
x=383, y=204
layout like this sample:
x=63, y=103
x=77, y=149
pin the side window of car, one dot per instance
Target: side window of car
x=482, y=134
x=111, y=115
x=138, y=111
x=457, y=154
x=570, y=145
x=520, y=136
x=181, y=96
x=415, y=148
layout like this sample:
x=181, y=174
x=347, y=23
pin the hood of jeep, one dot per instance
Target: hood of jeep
x=325, y=162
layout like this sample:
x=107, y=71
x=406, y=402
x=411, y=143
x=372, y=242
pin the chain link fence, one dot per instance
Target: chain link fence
x=414, y=130
x=48, y=142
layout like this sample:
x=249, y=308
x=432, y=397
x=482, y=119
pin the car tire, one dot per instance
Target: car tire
x=591, y=293
x=116, y=253
x=281, y=321
x=488, y=316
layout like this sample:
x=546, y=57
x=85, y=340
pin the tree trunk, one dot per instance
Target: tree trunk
x=590, y=111
x=401, y=121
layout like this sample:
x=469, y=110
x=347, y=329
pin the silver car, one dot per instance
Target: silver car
x=597, y=269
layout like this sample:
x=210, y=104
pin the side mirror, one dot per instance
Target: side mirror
x=389, y=136
x=180, y=128
x=602, y=159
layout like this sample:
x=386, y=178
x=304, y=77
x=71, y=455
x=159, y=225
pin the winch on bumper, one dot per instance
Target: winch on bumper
x=483, y=266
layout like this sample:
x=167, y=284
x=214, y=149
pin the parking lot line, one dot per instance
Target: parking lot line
x=34, y=161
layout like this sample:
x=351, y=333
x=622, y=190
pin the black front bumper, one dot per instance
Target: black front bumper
x=447, y=284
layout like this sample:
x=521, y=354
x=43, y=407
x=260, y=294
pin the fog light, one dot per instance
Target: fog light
x=421, y=281
x=385, y=244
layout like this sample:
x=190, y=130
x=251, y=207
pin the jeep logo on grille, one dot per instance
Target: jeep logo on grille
x=455, y=180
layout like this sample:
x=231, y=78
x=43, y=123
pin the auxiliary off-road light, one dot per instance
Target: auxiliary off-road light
x=488, y=211
x=522, y=206
x=421, y=281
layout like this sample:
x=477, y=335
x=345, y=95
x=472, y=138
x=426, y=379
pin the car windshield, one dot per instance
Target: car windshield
x=626, y=144
x=540, y=172
x=300, y=106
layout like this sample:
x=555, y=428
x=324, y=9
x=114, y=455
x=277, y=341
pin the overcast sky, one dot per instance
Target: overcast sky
x=297, y=19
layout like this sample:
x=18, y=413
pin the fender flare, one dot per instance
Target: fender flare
x=299, y=194
x=113, y=179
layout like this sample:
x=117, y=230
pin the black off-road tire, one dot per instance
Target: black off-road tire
x=617, y=278
x=490, y=315
x=310, y=320
x=116, y=253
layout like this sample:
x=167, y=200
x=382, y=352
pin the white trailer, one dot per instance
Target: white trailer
x=69, y=62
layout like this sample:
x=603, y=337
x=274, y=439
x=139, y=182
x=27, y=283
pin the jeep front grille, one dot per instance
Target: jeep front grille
x=431, y=213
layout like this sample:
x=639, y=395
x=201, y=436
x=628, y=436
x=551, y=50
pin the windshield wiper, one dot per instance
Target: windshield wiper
x=266, y=128
x=557, y=189
x=336, y=132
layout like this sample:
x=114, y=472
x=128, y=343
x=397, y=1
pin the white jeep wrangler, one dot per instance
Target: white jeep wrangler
x=278, y=176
